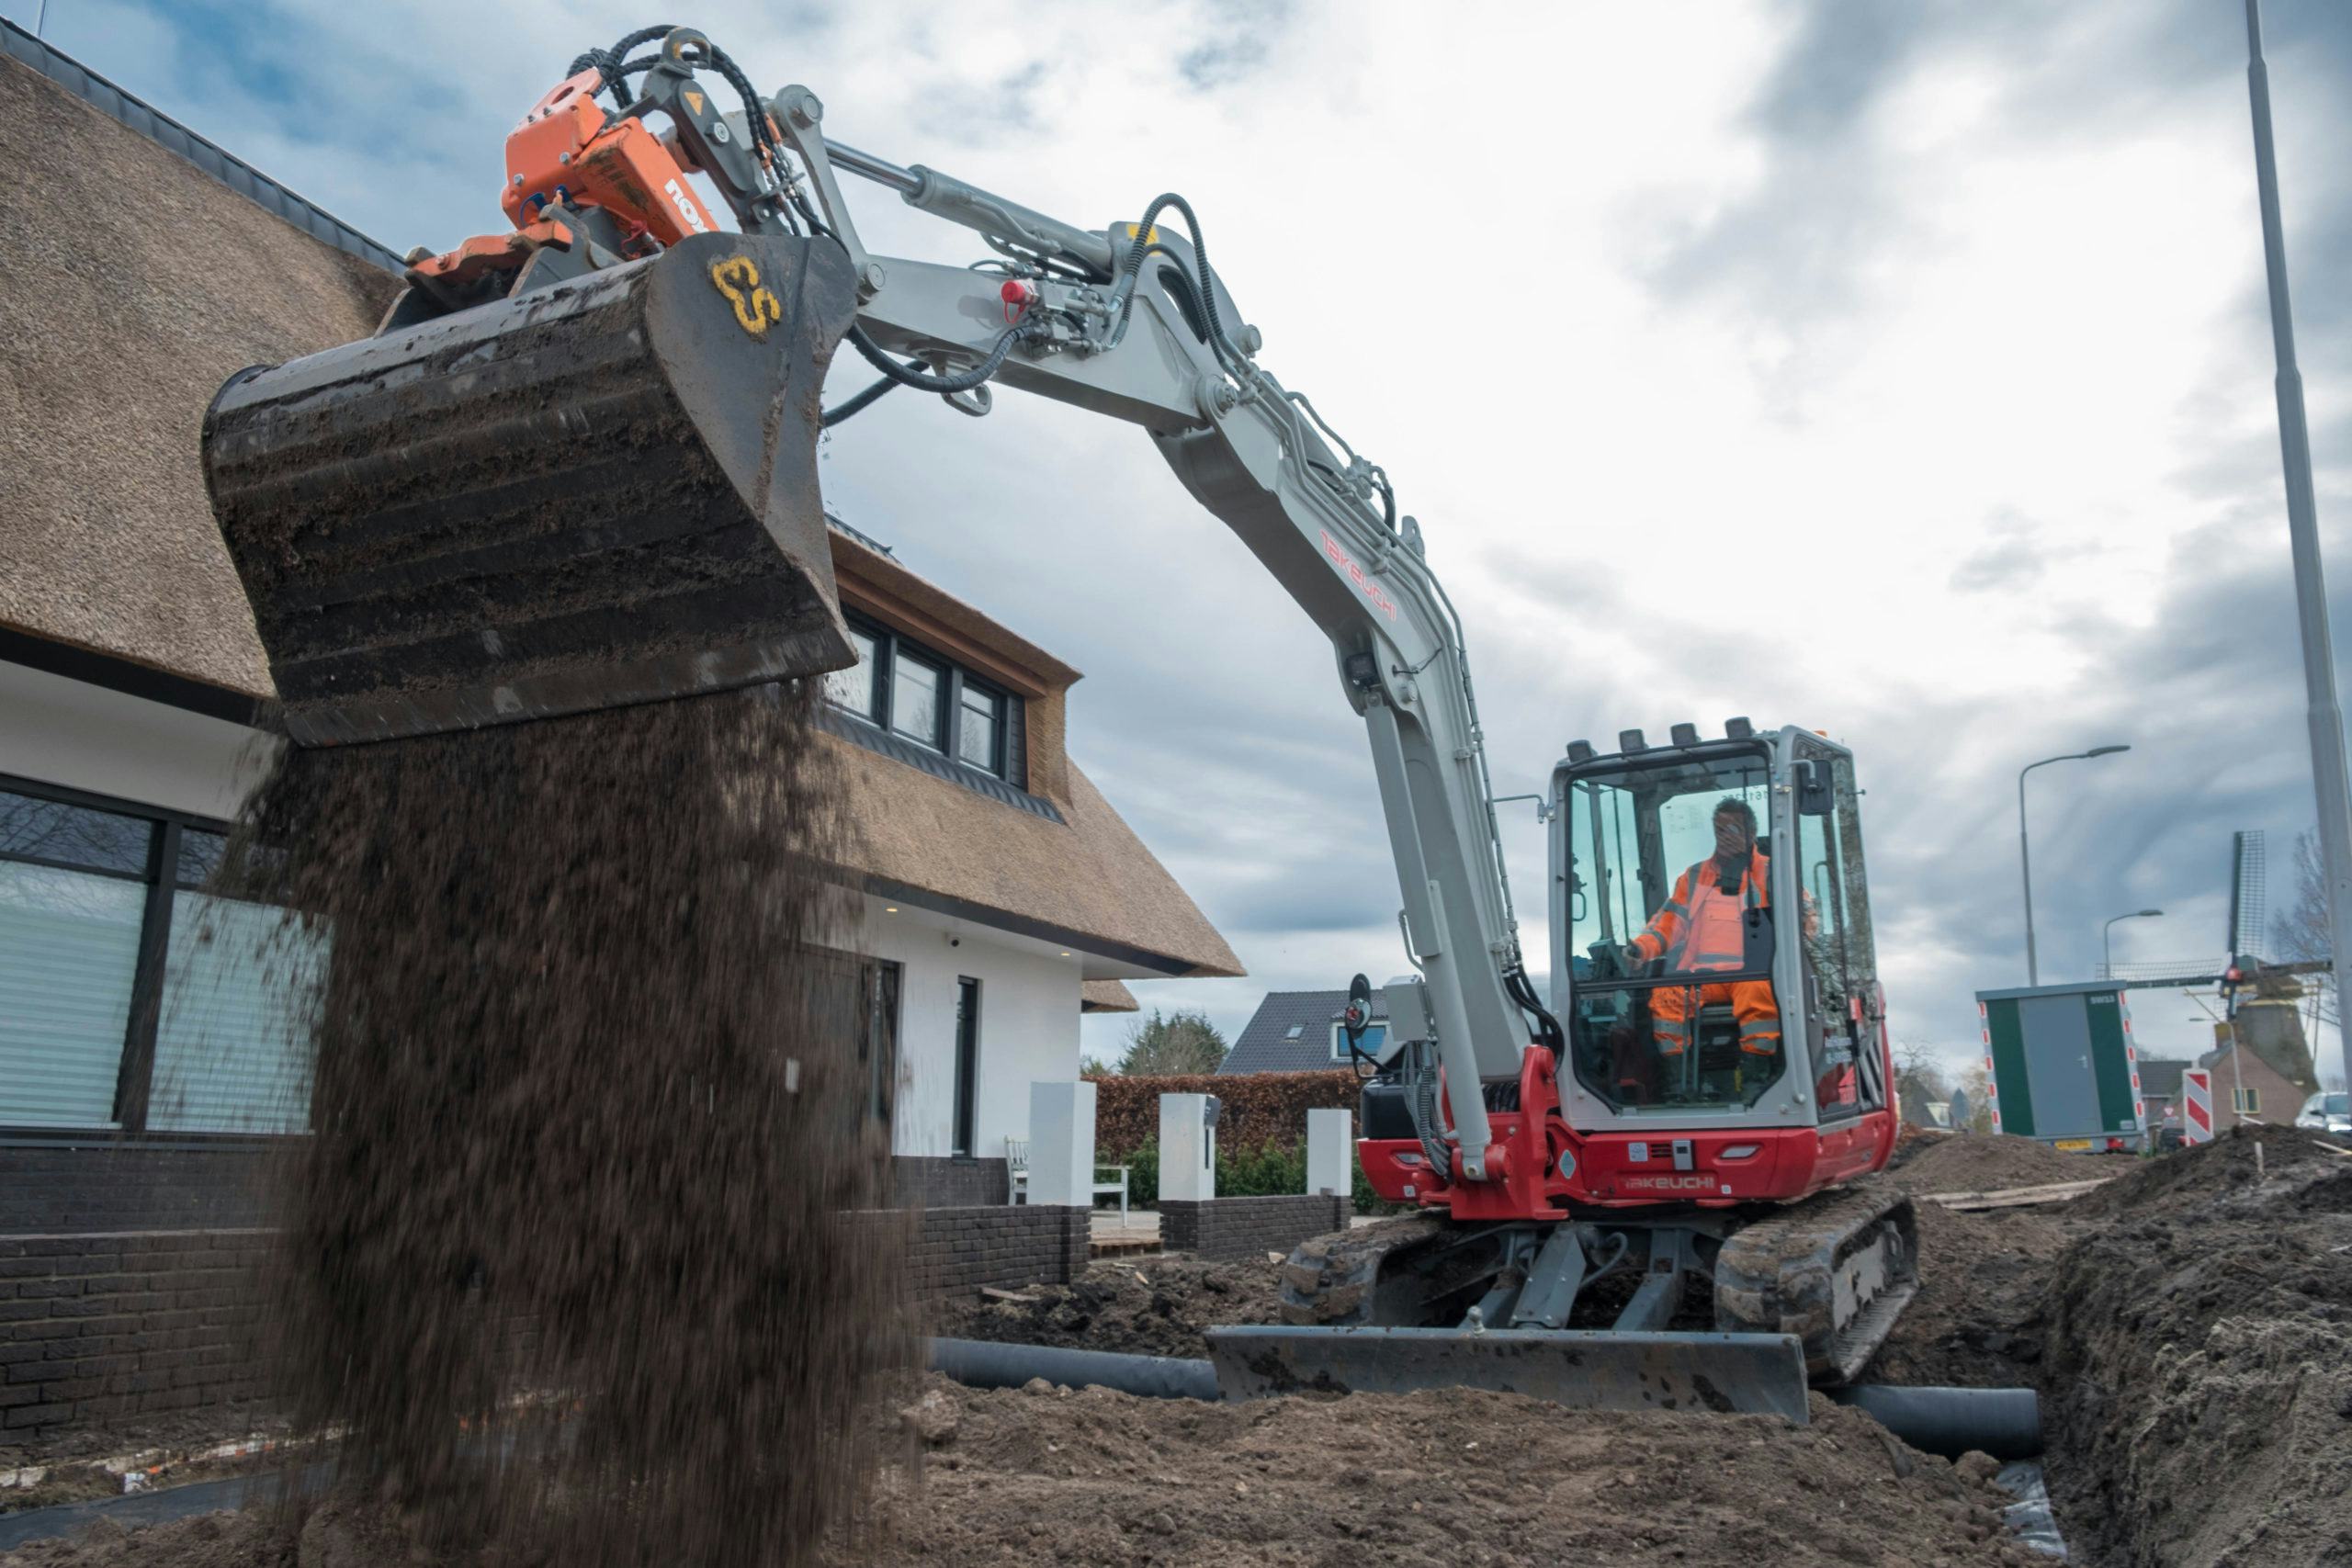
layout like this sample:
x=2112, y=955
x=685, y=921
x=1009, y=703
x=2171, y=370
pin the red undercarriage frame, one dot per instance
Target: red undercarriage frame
x=1740, y=1166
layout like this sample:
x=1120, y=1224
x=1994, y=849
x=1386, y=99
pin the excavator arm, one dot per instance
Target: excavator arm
x=1135, y=343
x=575, y=470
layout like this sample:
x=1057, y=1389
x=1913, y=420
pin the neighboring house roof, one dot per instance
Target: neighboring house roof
x=1291, y=1032
x=166, y=281
x=2160, y=1077
x=1106, y=996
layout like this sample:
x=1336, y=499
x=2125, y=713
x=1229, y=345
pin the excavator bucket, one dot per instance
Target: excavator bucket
x=584, y=496
x=1750, y=1374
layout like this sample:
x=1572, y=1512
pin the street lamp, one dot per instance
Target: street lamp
x=2106, y=952
x=2025, y=857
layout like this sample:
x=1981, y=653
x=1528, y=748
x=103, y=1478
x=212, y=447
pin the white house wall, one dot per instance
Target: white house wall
x=1029, y=1011
x=66, y=733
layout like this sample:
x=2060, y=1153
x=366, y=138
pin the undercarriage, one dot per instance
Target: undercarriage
x=1717, y=1308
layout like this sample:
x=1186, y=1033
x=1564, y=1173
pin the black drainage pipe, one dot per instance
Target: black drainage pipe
x=984, y=1364
x=2003, y=1422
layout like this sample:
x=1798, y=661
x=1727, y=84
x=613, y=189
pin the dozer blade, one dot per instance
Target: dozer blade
x=1758, y=1374
x=592, y=494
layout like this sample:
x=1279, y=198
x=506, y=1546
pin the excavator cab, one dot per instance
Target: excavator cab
x=1718, y=953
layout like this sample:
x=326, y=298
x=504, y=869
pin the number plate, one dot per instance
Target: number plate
x=2073, y=1145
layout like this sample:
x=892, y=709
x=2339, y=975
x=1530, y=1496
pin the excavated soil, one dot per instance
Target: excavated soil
x=2199, y=1389
x=1984, y=1286
x=1149, y=1306
x=1017, y=1478
x=1989, y=1162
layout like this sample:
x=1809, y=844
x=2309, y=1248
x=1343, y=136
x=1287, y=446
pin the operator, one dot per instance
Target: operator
x=1701, y=928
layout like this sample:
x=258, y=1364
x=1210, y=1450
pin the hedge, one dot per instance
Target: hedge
x=1260, y=1108
x=1266, y=1170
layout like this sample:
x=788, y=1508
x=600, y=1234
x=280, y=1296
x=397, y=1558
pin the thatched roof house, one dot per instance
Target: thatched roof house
x=132, y=686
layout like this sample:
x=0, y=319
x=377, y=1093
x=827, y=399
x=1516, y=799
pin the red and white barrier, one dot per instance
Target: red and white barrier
x=2197, y=1105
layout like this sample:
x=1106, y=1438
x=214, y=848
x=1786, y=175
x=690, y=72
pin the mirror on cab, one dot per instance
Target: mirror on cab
x=1815, y=795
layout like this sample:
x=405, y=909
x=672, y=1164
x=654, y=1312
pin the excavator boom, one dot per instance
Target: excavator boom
x=575, y=470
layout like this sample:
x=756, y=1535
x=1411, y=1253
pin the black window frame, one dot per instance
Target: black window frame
x=964, y=1129
x=134, y=1073
x=946, y=737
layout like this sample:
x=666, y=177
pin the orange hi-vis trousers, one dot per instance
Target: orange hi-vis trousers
x=1752, y=1003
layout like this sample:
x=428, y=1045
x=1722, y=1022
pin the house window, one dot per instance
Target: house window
x=916, y=687
x=968, y=1066
x=900, y=686
x=1373, y=1034
x=2246, y=1101
x=979, y=735
x=858, y=687
x=130, y=997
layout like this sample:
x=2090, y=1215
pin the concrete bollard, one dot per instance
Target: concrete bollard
x=1330, y=1153
x=1061, y=1144
x=1187, y=1148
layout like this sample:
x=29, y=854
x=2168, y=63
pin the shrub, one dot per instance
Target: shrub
x=1258, y=1108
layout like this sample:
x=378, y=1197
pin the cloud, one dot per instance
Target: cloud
x=1897, y=370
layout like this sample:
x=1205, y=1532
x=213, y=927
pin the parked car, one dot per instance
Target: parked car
x=2328, y=1113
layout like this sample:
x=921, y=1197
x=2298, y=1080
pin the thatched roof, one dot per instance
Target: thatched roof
x=137, y=283
x=1106, y=996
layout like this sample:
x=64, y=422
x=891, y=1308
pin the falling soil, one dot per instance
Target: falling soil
x=571, y=1256
x=1146, y=1306
x=2198, y=1395
x=1021, y=1477
x=1990, y=1162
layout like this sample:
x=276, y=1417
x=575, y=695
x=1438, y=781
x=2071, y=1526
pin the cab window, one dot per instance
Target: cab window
x=1671, y=934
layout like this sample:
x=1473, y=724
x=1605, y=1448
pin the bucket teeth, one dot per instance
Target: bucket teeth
x=593, y=494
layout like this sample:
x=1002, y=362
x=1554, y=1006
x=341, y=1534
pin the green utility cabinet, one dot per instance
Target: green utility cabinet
x=2063, y=1065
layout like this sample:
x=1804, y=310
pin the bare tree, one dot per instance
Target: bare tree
x=1918, y=1066
x=2299, y=934
x=1977, y=1084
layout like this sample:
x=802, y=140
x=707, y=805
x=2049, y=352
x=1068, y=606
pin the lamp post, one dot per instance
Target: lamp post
x=2106, y=950
x=2025, y=855
x=2323, y=713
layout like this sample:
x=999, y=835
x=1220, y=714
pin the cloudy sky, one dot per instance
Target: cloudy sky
x=1897, y=370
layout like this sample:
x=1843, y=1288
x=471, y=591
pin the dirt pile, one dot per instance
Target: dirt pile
x=1989, y=1162
x=1017, y=1477
x=2199, y=1383
x=1149, y=1306
x=585, y=1129
x=1014, y=1478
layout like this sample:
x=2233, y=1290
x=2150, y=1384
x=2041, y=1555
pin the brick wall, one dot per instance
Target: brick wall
x=102, y=1326
x=936, y=1181
x=1248, y=1228
x=72, y=1188
x=954, y=1252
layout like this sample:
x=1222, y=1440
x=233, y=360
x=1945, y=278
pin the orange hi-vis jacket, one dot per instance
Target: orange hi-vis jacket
x=1699, y=930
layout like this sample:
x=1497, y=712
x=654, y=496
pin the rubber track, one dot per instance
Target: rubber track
x=1327, y=1281
x=1778, y=1275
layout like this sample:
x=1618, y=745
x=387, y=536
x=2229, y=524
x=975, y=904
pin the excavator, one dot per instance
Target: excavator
x=575, y=469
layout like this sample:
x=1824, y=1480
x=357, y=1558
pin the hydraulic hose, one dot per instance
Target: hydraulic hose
x=922, y=382
x=858, y=402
